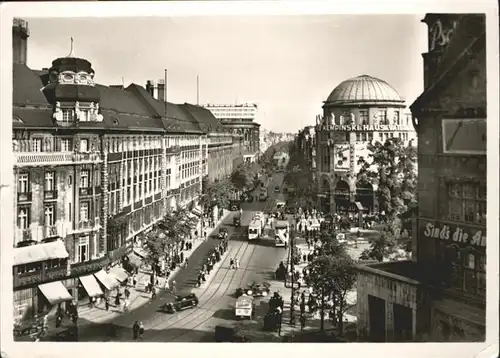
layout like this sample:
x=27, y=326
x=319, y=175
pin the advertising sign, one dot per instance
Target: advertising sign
x=369, y=127
x=455, y=234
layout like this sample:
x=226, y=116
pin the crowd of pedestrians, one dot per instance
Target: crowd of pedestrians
x=213, y=257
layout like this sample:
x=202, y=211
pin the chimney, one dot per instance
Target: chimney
x=150, y=88
x=20, y=34
x=161, y=90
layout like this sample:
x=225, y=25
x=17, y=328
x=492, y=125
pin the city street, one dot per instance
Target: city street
x=258, y=261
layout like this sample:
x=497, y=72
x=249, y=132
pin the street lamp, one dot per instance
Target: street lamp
x=292, y=269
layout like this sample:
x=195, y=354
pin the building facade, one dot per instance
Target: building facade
x=440, y=295
x=240, y=120
x=358, y=111
x=95, y=166
x=306, y=144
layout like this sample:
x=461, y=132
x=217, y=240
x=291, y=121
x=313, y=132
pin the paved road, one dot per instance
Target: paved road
x=258, y=261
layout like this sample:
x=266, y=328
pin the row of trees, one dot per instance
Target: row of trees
x=163, y=243
x=332, y=275
x=392, y=167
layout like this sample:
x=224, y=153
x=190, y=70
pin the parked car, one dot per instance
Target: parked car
x=181, y=303
x=237, y=221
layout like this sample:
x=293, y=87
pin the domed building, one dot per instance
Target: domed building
x=358, y=111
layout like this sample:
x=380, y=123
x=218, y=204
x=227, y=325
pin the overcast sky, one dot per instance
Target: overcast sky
x=287, y=65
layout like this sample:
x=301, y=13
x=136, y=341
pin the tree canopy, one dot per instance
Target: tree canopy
x=218, y=193
x=243, y=177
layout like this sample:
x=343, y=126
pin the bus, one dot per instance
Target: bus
x=254, y=229
x=281, y=233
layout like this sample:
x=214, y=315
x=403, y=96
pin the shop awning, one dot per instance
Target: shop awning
x=119, y=273
x=140, y=252
x=135, y=259
x=41, y=252
x=55, y=292
x=108, y=281
x=91, y=286
x=197, y=211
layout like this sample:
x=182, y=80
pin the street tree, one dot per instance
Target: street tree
x=332, y=276
x=392, y=167
x=163, y=242
x=243, y=177
x=380, y=247
x=218, y=193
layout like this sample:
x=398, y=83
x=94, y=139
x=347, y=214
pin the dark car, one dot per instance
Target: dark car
x=237, y=221
x=181, y=303
x=277, y=189
x=222, y=233
x=255, y=289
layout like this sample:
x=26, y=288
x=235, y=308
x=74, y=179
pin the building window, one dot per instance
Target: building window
x=23, y=183
x=84, y=211
x=84, y=179
x=363, y=116
x=23, y=217
x=67, y=115
x=397, y=120
x=467, y=202
x=383, y=116
x=49, y=181
x=50, y=215
x=84, y=145
x=83, y=249
x=37, y=144
x=469, y=272
x=65, y=145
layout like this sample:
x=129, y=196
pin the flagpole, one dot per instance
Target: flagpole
x=197, y=90
x=165, y=93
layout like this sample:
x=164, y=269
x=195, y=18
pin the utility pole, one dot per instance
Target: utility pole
x=292, y=269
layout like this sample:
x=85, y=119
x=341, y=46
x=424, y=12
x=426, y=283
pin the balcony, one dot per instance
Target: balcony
x=25, y=159
x=85, y=225
x=50, y=194
x=50, y=231
x=85, y=191
x=23, y=197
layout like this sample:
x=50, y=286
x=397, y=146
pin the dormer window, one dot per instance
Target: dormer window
x=67, y=115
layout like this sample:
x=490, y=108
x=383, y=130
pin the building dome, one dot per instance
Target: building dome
x=364, y=90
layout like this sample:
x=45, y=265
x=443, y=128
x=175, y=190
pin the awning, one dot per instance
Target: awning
x=135, y=259
x=108, y=281
x=55, y=292
x=197, y=211
x=91, y=286
x=41, y=252
x=119, y=273
x=140, y=252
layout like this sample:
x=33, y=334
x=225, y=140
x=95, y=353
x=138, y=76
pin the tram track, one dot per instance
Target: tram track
x=212, y=300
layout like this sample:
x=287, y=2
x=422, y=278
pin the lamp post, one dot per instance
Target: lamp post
x=292, y=269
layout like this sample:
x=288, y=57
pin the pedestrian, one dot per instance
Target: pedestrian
x=231, y=263
x=141, y=331
x=174, y=289
x=127, y=292
x=204, y=234
x=186, y=263
x=135, y=330
x=236, y=263
x=153, y=293
x=182, y=257
x=126, y=304
x=106, y=303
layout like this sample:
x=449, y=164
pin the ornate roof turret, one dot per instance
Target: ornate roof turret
x=71, y=79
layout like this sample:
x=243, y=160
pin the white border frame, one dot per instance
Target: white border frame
x=244, y=8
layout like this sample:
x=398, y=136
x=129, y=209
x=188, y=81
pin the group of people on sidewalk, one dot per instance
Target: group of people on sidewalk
x=214, y=257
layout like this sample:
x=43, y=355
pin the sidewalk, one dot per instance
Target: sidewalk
x=138, y=296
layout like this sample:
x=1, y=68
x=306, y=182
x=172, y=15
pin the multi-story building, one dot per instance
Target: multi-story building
x=358, y=111
x=239, y=118
x=440, y=295
x=306, y=144
x=94, y=167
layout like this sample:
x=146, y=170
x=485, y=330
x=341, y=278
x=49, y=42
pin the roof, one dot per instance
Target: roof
x=363, y=90
x=132, y=108
x=27, y=87
x=205, y=118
